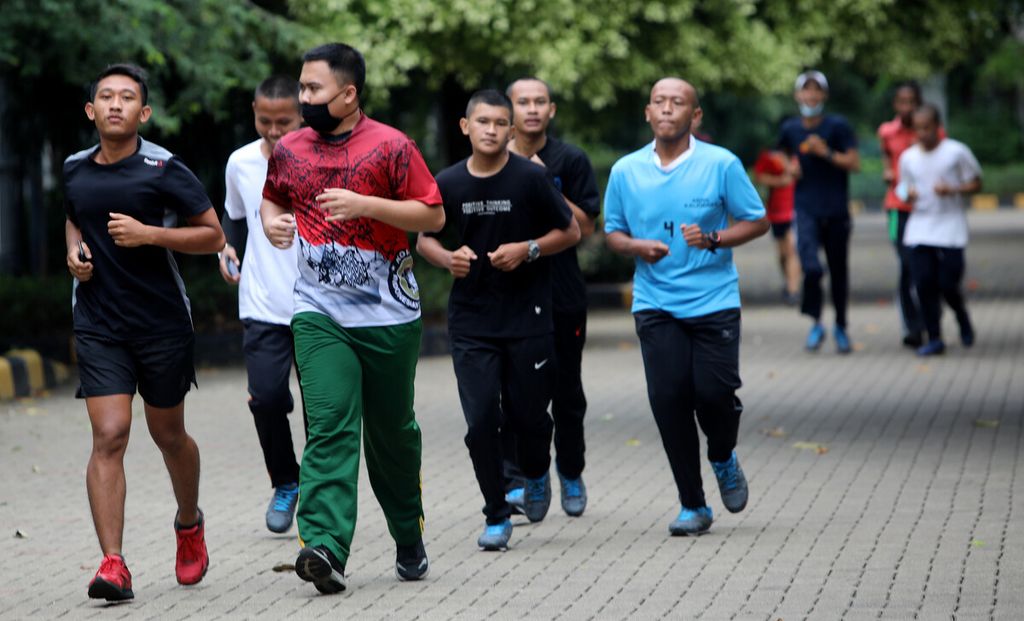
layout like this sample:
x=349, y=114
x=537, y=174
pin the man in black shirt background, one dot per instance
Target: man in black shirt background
x=507, y=217
x=573, y=176
x=132, y=323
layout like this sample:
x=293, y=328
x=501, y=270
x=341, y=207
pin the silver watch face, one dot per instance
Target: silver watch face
x=533, y=250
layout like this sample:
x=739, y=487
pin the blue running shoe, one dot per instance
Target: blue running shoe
x=516, y=497
x=815, y=337
x=731, y=483
x=537, y=498
x=691, y=522
x=496, y=536
x=931, y=348
x=282, y=507
x=842, y=340
x=574, y=495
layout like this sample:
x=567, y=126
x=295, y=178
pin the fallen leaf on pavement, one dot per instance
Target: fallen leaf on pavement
x=20, y=534
x=774, y=432
x=820, y=449
x=284, y=567
x=632, y=442
x=987, y=423
x=977, y=543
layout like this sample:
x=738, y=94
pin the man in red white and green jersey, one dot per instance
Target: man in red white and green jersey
x=352, y=188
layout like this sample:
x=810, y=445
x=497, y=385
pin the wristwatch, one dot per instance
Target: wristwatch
x=532, y=251
x=713, y=240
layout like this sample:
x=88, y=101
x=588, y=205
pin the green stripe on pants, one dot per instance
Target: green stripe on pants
x=354, y=377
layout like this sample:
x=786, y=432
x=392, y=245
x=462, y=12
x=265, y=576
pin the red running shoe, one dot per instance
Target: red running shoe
x=192, y=560
x=113, y=581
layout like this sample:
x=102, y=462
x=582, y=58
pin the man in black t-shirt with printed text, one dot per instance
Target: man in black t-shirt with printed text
x=132, y=321
x=507, y=218
x=573, y=176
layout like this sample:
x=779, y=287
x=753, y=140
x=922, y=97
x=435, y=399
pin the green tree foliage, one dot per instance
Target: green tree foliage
x=596, y=49
x=196, y=51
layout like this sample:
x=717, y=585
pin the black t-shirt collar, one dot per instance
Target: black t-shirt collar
x=118, y=163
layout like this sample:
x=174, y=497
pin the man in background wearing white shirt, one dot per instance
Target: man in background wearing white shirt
x=265, y=285
x=936, y=174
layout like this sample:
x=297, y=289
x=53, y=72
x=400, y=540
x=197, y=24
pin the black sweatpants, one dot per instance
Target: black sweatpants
x=909, y=307
x=937, y=274
x=692, y=366
x=269, y=352
x=504, y=382
x=568, y=402
x=831, y=234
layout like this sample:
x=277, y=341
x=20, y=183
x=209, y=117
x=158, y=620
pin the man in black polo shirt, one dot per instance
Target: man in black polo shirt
x=132, y=322
x=505, y=215
x=574, y=178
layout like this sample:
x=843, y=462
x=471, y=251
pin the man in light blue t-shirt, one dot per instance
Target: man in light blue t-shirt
x=669, y=206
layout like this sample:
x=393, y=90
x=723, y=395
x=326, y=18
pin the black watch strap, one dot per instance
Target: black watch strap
x=713, y=240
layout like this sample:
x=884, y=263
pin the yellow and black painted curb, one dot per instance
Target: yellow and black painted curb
x=25, y=373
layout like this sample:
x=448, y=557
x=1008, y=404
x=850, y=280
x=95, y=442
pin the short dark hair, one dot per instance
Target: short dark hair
x=278, y=87
x=547, y=87
x=912, y=85
x=490, y=97
x=931, y=110
x=134, y=72
x=345, y=61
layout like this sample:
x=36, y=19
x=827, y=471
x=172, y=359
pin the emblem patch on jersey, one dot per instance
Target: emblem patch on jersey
x=402, y=282
x=157, y=163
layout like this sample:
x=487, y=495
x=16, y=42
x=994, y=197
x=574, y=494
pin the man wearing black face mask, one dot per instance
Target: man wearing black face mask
x=352, y=188
x=826, y=149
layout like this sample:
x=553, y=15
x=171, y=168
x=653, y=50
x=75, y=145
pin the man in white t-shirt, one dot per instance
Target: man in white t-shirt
x=935, y=176
x=265, y=285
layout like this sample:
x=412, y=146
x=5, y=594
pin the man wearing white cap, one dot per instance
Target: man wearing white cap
x=826, y=148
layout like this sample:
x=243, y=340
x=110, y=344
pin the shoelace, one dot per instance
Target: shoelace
x=536, y=489
x=190, y=546
x=687, y=514
x=727, y=473
x=493, y=530
x=572, y=487
x=283, y=498
x=111, y=566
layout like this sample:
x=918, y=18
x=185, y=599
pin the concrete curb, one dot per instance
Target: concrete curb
x=25, y=373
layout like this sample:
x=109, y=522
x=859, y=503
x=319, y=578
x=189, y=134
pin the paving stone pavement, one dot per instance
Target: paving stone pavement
x=882, y=487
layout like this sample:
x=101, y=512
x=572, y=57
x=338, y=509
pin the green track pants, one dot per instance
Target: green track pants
x=357, y=379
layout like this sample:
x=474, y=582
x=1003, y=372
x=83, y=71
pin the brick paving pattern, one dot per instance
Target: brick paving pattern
x=882, y=487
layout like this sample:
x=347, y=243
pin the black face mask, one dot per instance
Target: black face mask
x=320, y=118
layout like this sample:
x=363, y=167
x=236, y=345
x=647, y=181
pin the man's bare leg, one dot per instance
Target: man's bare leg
x=181, y=455
x=111, y=419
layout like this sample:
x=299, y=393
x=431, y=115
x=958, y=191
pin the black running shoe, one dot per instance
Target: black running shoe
x=319, y=566
x=411, y=562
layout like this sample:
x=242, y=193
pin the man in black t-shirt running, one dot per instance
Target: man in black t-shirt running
x=573, y=176
x=132, y=323
x=506, y=217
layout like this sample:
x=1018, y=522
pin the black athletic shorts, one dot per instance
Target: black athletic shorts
x=779, y=229
x=161, y=368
